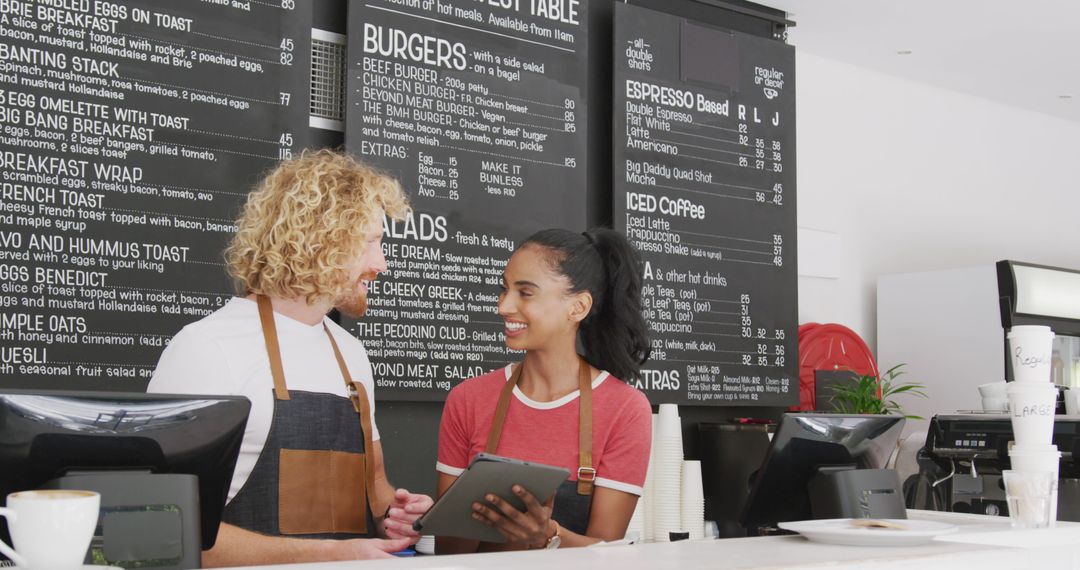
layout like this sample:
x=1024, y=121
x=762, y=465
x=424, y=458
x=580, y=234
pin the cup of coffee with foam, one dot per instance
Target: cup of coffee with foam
x=50, y=529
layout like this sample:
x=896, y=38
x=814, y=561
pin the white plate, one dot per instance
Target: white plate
x=840, y=531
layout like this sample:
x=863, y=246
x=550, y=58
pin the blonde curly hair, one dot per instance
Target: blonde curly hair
x=305, y=223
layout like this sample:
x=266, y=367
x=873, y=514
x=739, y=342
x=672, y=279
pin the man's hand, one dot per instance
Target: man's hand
x=532, y=528
x=406, y=508
x=364, y=548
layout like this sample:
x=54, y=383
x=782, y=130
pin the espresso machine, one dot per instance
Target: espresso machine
x=960, y=466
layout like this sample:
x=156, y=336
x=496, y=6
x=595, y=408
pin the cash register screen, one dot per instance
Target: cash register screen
x=803, y=444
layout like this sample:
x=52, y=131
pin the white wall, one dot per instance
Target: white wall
x=946, y=326
x=915, y=178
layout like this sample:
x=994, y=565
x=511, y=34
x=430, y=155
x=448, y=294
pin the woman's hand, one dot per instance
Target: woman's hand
x=532, y=528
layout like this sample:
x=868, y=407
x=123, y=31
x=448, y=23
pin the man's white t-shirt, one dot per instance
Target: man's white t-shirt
x=225, y=354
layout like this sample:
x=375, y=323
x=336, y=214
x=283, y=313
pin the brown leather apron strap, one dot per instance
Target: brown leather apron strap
x=500, y=410
x=273, y=350
x=358, y=395
x=586, y=473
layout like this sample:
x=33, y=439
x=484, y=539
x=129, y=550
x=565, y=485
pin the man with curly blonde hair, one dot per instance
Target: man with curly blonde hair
x=309, y=484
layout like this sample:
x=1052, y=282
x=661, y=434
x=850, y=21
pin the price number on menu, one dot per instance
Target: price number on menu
x=569, y=125
x=744, y=314
x=285, y=142
x=452, y=173
x=762, y=355
x=286, y=48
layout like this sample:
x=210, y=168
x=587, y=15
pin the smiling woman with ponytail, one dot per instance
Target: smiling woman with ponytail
x=562, y=291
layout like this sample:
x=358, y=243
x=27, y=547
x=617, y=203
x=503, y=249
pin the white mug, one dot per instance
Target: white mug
x=50, y=530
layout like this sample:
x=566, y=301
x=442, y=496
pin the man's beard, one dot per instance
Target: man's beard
x=354, y=303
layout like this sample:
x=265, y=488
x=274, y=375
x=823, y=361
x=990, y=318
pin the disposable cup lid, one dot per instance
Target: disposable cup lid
x=1030, y=330
x=1034, y=450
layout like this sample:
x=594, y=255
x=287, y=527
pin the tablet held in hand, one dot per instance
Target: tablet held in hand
x=452, y=513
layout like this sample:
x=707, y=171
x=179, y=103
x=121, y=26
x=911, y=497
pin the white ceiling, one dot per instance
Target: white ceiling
x=1024, y=53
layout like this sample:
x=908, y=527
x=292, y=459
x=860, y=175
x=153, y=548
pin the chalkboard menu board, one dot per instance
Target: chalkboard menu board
x=704, y=187
x=478, y=108
x=131, y=132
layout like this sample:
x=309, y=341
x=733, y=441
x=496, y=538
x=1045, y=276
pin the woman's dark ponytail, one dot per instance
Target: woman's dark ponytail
x=602, y=262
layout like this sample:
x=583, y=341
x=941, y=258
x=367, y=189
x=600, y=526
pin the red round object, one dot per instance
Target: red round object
x=829, y=347
x=806, y=328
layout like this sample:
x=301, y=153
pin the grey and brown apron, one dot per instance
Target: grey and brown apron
x=573, y=499
x=313, y=478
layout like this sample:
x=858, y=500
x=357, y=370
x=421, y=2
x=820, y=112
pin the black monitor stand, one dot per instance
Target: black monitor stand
x=147, y=520
x=841, y=492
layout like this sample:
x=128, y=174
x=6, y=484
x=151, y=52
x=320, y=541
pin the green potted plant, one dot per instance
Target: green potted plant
x=869, y=394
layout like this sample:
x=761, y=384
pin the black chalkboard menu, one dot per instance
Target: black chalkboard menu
x=704, y=187
x=478, y=108
x=131, y=131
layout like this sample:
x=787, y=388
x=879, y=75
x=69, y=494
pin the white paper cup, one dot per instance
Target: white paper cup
x=995, y=404
x=1035, y=458
x=667, y=457
x=1032, y=407
x=1030, y=350
x=693, y=500
x=51, y=530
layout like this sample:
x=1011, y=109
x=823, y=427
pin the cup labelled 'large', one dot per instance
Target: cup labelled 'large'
x=1030, y=351
x=1032, y=406
x=50, y=530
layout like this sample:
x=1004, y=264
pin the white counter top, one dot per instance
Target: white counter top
x=982, y=542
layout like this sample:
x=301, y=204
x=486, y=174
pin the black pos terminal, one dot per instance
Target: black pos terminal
x=162, y=464
x=824, y=466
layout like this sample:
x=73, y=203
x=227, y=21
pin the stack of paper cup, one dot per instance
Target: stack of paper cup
x=1032, y=398
x=667, y=474
x=693, y=500
x=1033, y=403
